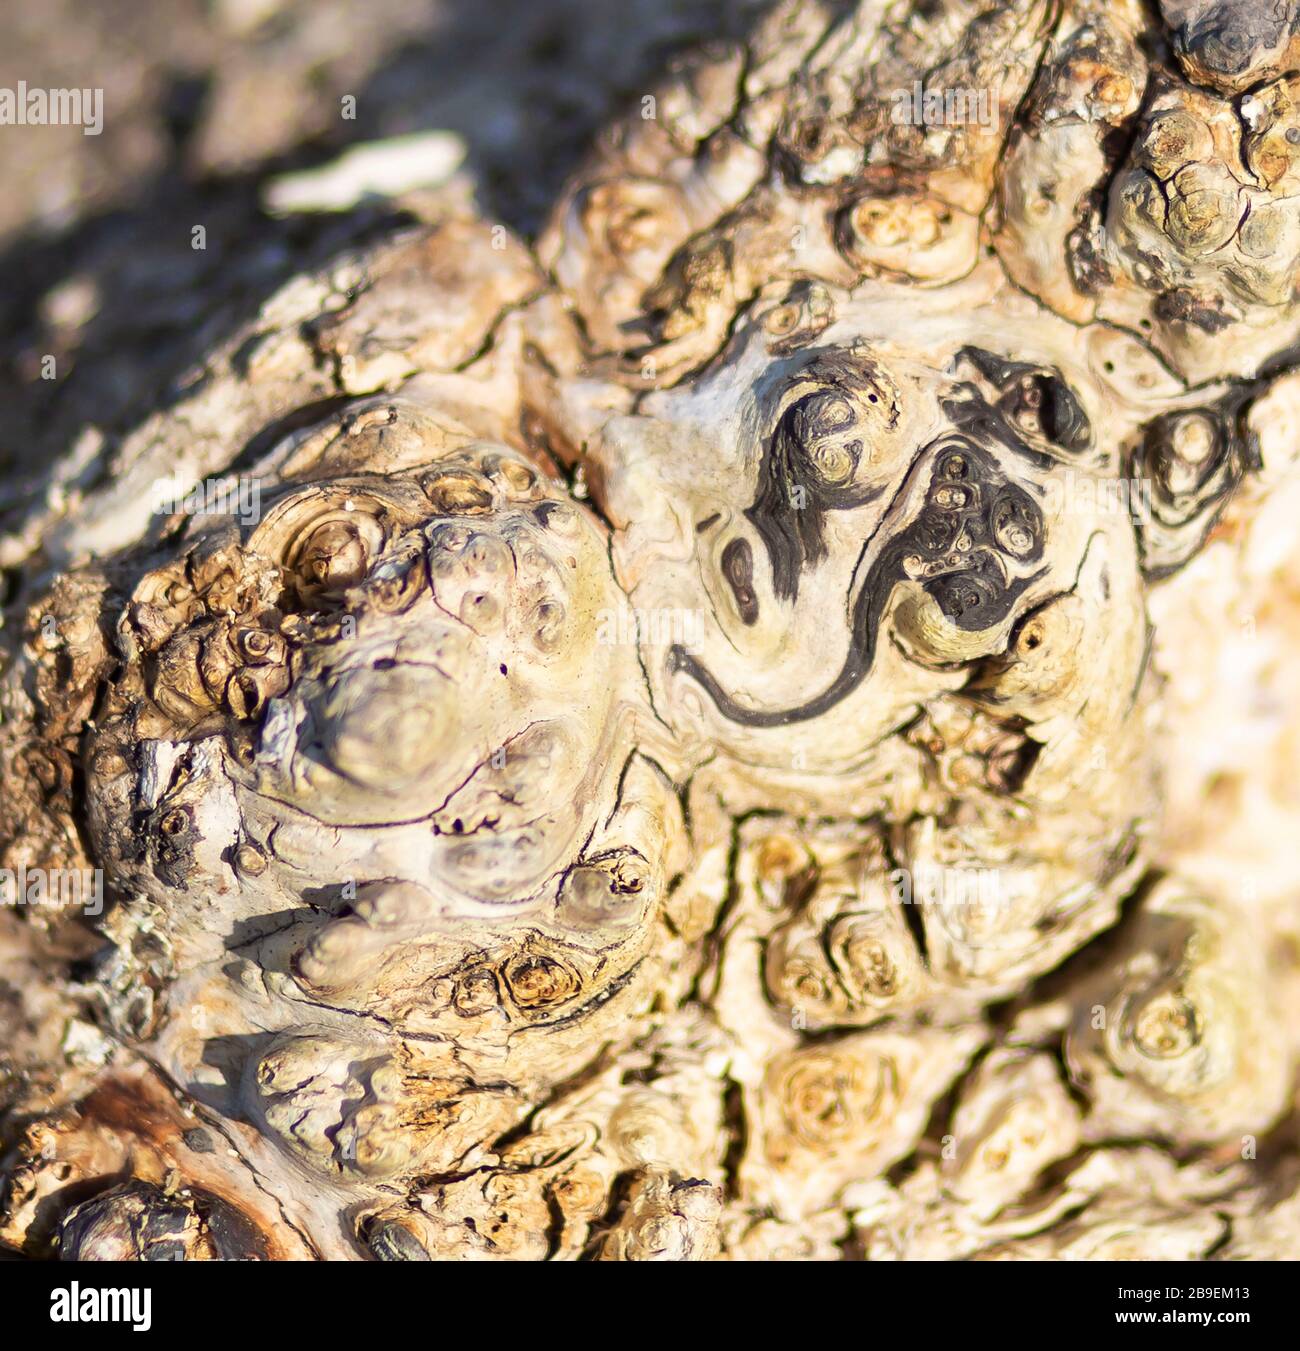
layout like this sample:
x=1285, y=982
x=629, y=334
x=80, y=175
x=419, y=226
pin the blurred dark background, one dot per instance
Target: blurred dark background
x=204, y=101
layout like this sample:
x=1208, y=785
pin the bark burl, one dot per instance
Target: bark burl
x=758, y=724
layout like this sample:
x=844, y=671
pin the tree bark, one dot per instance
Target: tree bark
x=754, y=724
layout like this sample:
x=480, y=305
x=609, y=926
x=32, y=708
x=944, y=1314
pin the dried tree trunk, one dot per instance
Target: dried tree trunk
x=759, y=726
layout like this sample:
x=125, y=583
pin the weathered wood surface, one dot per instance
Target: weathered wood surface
x=757, y=723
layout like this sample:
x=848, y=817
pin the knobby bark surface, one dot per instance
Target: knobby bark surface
x=756, y=720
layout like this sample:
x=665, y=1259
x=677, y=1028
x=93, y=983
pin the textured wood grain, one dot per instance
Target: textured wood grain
x=755, y=725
